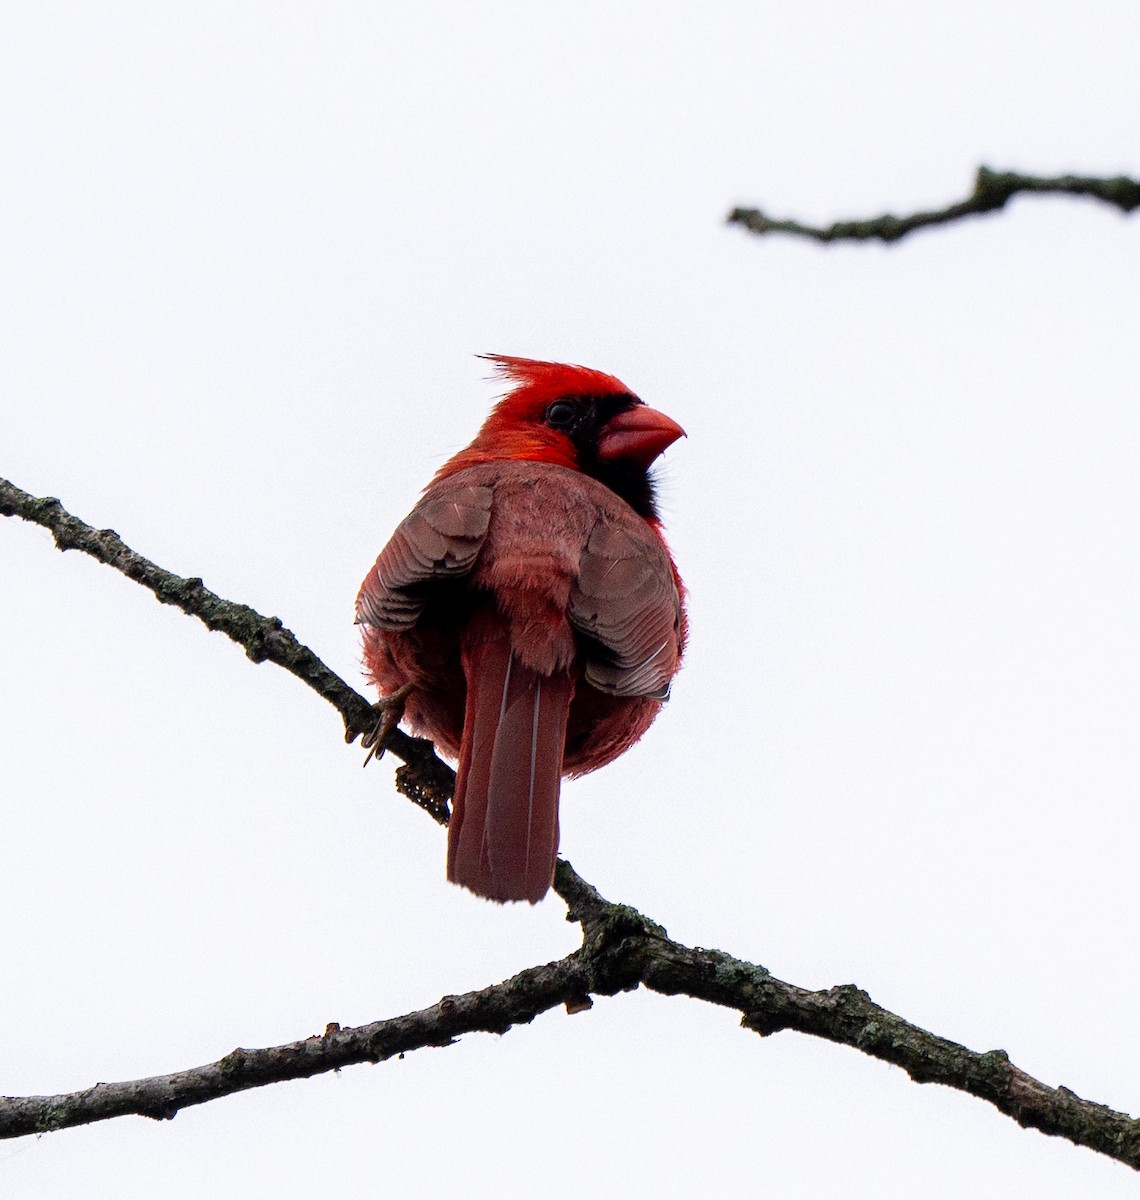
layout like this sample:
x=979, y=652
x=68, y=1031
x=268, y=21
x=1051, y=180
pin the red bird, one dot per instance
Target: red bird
x=529, y=610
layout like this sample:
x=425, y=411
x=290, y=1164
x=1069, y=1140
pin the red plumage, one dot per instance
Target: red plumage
x=531, y=602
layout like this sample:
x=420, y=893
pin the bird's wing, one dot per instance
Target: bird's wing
x=625, y=599
x=439, y=539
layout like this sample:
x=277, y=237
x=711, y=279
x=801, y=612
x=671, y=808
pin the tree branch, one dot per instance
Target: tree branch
x=992, y=189
x=621, y=949
x=495, y=1009
x=425, y=778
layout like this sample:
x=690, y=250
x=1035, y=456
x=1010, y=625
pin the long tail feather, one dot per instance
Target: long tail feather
x=503, y=836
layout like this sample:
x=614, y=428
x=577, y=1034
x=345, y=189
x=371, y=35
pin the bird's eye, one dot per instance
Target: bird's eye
x=561, y=414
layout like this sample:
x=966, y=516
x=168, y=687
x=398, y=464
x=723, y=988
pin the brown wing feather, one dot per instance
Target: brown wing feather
x=439, y=539
x=626, y=600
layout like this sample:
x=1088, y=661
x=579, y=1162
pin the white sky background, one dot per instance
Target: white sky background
x=249, y=252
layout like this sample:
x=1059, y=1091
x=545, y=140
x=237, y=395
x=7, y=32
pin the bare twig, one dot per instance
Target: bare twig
x=992, y=189
x=425, y=778
x=495, y=1009
x=621, y=949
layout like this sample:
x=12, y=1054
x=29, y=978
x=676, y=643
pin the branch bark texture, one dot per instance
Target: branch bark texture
x=621, y=949
x=425, y=778
x=992, y=190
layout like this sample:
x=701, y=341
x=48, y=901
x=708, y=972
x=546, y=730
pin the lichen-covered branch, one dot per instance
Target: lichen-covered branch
x=992, y=189
x=621, y=949
x=425, y=778
x=494, y=1009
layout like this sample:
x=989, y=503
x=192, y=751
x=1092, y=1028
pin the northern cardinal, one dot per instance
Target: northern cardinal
x=530, y=612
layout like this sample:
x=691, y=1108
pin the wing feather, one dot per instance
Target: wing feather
x=625, y=600
x=439, y=539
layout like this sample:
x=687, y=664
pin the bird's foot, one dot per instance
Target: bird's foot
x=389, y=712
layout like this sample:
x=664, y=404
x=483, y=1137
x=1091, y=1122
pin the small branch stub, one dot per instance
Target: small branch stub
x=992, y=190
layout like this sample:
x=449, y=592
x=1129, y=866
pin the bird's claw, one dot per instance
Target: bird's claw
x=389, y=712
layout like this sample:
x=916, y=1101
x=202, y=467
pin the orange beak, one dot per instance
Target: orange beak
x=640, y=433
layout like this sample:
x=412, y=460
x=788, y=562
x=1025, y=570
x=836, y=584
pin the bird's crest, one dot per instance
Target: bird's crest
x=545, y=381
